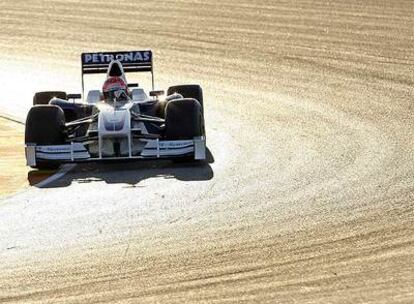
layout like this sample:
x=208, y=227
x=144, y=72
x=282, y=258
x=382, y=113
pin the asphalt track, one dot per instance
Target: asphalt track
x=308, y=193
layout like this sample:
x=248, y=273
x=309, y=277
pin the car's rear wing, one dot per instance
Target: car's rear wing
x=132, y=61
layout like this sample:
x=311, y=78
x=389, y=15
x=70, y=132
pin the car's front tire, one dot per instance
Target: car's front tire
x=45, y=126
x=183, y=121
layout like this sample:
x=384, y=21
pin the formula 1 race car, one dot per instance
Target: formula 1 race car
x=118, y=122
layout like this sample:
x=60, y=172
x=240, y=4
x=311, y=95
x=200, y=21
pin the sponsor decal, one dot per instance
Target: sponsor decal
x=77, y=147
x=54, y=150
x=123, y=57
x=166, y=145
x=170, y=145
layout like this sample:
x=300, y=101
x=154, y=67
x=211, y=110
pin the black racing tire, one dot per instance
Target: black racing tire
x=160, y=109
x=45, y=126
x=188, y=91
x=183, y=119
x=46, y=96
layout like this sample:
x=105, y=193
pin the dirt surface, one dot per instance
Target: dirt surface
x=13, y=170
x=308, y=195
x=14, y=174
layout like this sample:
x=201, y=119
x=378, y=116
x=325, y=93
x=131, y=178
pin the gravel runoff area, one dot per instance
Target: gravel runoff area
x=14, y=174
x=309, y=120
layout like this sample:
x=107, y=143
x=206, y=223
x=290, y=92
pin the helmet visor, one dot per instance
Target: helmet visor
x=116, y=94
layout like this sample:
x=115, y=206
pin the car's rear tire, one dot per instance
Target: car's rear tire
x=45, y=126
x=44, y=97
x=188, y=91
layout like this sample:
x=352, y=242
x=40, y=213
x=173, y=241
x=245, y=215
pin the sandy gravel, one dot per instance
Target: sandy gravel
x=13, y=170
x=309, y=199
x=15, y=176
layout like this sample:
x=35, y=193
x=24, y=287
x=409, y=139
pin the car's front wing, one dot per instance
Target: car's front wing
x=153, y=149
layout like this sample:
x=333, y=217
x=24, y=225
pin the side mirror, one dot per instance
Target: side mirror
x=74, y=96
x=156, y=93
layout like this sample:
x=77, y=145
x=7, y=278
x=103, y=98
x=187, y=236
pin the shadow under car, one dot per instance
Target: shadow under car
x=131, y=172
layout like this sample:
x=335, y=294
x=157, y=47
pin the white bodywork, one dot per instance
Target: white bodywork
x=115, y=128
x=114, y=124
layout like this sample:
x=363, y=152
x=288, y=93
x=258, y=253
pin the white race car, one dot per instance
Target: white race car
x=118, y=122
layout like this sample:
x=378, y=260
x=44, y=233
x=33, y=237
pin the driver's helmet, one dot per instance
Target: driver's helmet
x=115, y=88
